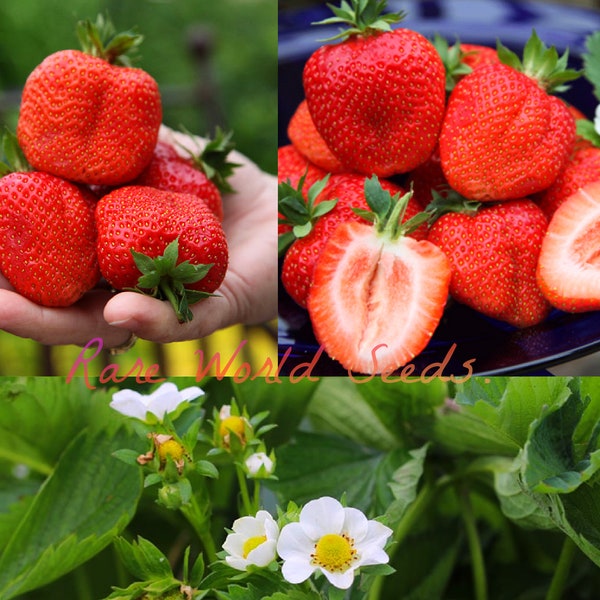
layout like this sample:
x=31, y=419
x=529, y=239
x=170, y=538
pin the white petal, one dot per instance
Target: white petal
x=248, y=527
x=356, y=525
x=191, y=393
x=166, y=388
x=296, y=571
x=597, y=119
x=294, y=543
x=271, y=528
x=340, y=580
x=129, y=403
x=262, y=555
x=236, y=562
x=377, y=534
x=322, y=516
x=234, y=544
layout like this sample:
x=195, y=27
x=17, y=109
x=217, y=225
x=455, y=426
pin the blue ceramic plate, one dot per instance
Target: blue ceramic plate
x=465, y=342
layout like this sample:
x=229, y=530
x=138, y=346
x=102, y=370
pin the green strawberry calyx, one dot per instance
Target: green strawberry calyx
x=387, y=211
x=360, y=17
x=449, y=201
x=299, y=213
x=541, y=63
x=213, y=159
x=452, y=59
x=101, y=39
x=162, y=278
x=12, y=160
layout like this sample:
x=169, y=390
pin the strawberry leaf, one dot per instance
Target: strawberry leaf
x=591, y=62
x=587, y=131
x=161, y=277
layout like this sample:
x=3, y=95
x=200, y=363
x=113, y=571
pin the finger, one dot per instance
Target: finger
x=76, y=324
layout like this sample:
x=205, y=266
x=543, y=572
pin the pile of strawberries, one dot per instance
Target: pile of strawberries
x=96, y=194
x=419, y=171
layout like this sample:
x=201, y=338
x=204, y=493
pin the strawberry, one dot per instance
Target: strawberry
x=203, y=174
x=308, y=141
x=427, y=178
x=377, y=98
x=47, y=238
x=476, y=55
x=167, y=244
x=493, y=250
x=86, y=118
x=504, y=137
x=377, y=296
x=583, y=168
x=568, y=266
x=348, y=193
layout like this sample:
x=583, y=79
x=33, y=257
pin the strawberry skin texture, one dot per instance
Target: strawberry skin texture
x=146, y=220
x=568, y=270
x=377, y=100
x=300, y=259
x=88, y=121
x=494, y=256
x=47, y=238
x=369, y=296
x=583, y=168
x=503, y=137
x=308, y=141
x=169, y=171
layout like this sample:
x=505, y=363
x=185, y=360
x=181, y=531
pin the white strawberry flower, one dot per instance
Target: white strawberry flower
x=259, y=462
x=163, y=400
x=252, y=542
x=333, y=539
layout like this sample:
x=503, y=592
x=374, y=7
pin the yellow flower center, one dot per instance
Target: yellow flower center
x=334, y=552
x=233, y=424
x=252, y=543
x=172, y=449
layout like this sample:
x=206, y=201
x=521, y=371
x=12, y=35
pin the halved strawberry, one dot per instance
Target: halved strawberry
x=377, y=296
x=569, y=266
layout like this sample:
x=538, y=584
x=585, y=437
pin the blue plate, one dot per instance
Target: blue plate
x=466, y=342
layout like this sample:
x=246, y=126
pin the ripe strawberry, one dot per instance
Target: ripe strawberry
x=504, y=137
x=583, y=168
x=568, y=265
x=87, y=119
x=348, y=191
x=377, y=296
x=476, y=55
x=377, y=98
x=493, y=251
x=308, y=141
x=47, y=238
x=203, y=174
x=427, y=178
x=137, y=224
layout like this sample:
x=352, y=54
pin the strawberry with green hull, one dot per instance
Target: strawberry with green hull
x=493, y=250
x=166, y=244
x=86, y=118
x=203, y=174
x=504, y=136
x=377, y=295
x=377, y=98
x=569, y=269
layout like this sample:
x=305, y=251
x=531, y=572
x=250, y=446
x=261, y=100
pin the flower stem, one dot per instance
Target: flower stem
x=561, y=573
x=256, y=495
x=243, y=483
x=477, y=562
x=405, y=525
x=200, y=521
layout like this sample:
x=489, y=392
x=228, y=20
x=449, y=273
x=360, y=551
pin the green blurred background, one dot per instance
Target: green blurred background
x=216, y=64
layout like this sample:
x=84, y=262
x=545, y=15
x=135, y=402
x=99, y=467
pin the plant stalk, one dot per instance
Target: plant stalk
x=200, y=522
x=243, y=483
x=561, y=573
x=477, y=562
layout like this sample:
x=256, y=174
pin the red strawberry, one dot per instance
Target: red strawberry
x=583, y=168
x=377, y=296
x=476, y=55
x=86, y=119
x=301, y=257
x=493, y=252
x=137, y=224
x=427, y=178
x=47, y=238
x=307, y=140
x=203, y=174
x=503, y=135
x=377, y=98
x=568, y=266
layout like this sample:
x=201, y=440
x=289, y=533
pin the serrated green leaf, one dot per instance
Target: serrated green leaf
x=142, y=559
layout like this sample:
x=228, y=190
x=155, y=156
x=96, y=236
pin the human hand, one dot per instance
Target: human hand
x=247, y=295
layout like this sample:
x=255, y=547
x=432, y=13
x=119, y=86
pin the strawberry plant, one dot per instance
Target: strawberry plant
x=487, y=489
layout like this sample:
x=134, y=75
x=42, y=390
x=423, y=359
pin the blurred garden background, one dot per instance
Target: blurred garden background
x=215, y=63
